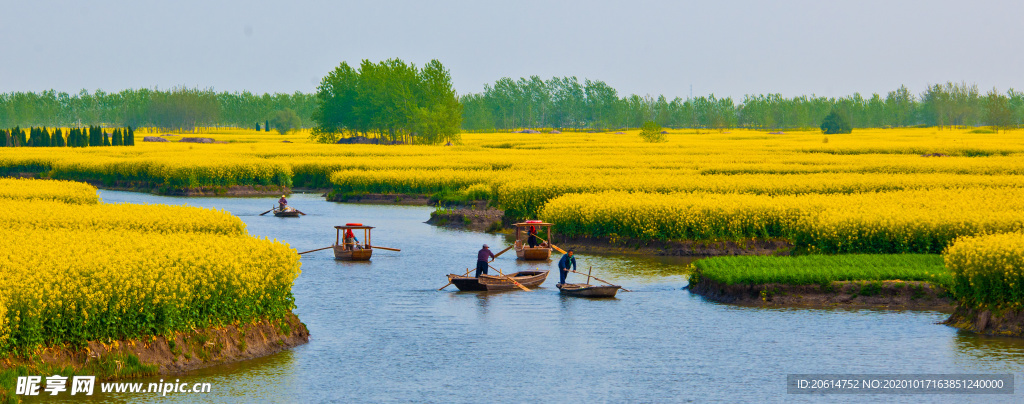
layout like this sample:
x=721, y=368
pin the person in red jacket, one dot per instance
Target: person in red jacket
x=350, y=240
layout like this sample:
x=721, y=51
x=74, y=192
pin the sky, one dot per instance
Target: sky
x=722, y=47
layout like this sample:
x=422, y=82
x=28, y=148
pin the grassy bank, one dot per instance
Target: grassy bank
x=912, y=281
x=824, y=269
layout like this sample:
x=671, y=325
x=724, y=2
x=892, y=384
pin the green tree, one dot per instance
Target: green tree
x=835, y=123
x=285, y=121
x=997, y=111
x=651, y=132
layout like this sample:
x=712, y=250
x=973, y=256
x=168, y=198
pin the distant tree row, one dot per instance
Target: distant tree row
x=93, y=136
x=179, y=108
x=564, y=102
x=390, y=100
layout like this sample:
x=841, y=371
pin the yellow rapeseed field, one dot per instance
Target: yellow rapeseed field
x=988, y=271
x=73, y=270
x=523, y=173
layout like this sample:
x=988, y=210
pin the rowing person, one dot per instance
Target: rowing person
x=283, y=203
x=350, y=240
x=564, y=264
x=481, y=260
x=533, y=237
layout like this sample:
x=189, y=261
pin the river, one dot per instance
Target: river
x=381, y=332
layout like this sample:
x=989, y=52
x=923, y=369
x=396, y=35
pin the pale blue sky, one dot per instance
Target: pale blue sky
x=729, y=48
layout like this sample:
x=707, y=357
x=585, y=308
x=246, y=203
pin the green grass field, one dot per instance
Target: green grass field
x=822, y=269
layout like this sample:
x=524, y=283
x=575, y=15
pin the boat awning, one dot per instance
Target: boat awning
x=542, y=224
x=352, y=227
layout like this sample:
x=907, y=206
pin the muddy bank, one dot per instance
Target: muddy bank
x=191, y=350
x=1005, y=323
x=237, y=190
x=486, y=220
x=674, y=248
x=380, y=199
x=892, y=295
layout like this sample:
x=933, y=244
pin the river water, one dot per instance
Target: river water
x=381, y=332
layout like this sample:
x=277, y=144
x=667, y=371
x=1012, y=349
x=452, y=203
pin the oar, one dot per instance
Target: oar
x=503, y=251
x=261, y=214
x=318, y=249
x=552, y=245
x=450, y=279
x=385, y=248
x=300, y=212
x=602, y=280
x=509, y=278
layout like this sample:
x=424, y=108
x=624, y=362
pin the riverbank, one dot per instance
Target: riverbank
x=682, y=248
x=182, y=352
x=158, y=355
x=1004, y=323
x=483, y=220
x=889, y=295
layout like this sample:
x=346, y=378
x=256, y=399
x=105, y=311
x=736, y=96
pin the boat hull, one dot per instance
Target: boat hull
x=585, y=290
x=529, y=279
x=287, y=213
x=341, y=254
x=534, y=254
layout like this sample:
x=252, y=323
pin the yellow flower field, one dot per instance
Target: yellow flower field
x=73, y=270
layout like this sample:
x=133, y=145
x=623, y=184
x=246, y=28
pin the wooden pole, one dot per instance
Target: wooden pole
x=318, y=249
x=503, y=251
x=385, y=248
x=261, y=214
x=553, y=246
x=589, y=268
x=509, y=278
x=602, y=280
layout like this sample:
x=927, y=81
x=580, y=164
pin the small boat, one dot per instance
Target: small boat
x=542, y=251
x=354, y=251
x=286, y=212
x=587, y=290
x=487, y=282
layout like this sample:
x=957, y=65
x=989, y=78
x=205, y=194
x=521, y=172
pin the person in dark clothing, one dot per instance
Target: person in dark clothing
x=533, y=237
x=282, y=203
x=481, y=260
x=564, y=264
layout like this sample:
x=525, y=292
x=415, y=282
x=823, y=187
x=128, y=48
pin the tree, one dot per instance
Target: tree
x=285, y=121
x=266, y=125
x=58, y=139
x=997, y=111
x=651, y=132
x=835, y=123
x=392, y=100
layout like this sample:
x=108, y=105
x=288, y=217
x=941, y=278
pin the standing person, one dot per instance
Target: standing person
x=282, y=203
x=481, y=260
x=533, y=236
x=564, y=264
x=350, y=240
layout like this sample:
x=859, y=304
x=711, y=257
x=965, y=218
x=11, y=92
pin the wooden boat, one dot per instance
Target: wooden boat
x=354, y=251
x=542, y=251
x=486, y=282
x=587, y=290
x=286, y=213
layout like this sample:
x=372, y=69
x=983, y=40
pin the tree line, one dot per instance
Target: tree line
x=93, y=136
x=179, y=108
x=398, y=102
x=565, y=102
x=391, y=100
